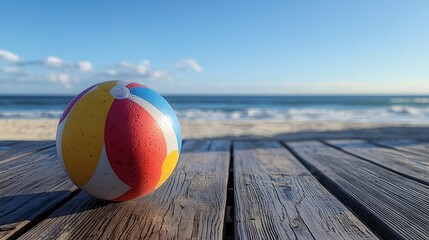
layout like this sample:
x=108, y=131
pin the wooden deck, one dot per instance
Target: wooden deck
x=222, y=189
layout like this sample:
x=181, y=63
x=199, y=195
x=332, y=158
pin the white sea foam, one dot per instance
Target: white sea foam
x=413, y=109
x=405, y=110
x=395, y=113
x=410, y=100
x=30, y=114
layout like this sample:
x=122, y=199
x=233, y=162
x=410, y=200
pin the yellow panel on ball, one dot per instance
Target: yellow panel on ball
x=83, y=134
x=168, y=166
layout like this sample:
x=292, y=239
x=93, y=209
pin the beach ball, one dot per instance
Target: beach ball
x=118, y=141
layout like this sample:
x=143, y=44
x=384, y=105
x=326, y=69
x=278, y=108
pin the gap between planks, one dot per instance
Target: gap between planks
x=392, y=205
x=229, y=223
x=420, y=148
x=404, y=163
x=277, y=197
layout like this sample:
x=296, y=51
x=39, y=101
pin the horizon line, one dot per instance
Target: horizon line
x=248, y=95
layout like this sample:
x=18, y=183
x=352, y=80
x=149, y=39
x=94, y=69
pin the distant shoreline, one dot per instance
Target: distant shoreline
x=236, y=95
x=45, y=129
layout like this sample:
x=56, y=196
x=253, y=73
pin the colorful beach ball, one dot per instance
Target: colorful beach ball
x=118, y=140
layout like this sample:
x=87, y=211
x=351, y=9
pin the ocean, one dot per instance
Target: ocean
x=386, y=109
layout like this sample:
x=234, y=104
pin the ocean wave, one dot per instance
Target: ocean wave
x=28, y=114
x=396, y=113
x=405, y=110
x=421, y=100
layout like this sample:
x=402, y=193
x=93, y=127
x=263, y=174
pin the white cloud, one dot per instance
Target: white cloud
x=134, y=72
x=55, y=70
x=9, y=56
x=14, y=72
x=62, y=78
x=143, y=68
x=54, y=62
x=84, y=66
x=159, y=74
x=189, y=63
x=111, y=72
x=125, y=65
x=57, y=63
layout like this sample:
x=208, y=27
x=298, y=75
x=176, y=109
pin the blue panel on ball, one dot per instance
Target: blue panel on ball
x=163, y=106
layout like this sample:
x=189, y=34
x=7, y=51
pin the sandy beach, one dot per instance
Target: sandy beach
x=45, y=129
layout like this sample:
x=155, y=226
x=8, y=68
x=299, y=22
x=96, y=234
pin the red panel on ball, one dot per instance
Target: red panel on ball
x=135, y=85
x=135, y=147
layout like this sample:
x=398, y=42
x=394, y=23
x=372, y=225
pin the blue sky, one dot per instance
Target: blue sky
x=216, y=47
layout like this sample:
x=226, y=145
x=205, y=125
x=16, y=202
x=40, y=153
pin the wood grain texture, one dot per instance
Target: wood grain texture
x=410, y=165
x=10, y=152
x=410, y=146
x=4, y=143
x=190, y=205
x=277, y=198
x=30, y=186
x=394, y=206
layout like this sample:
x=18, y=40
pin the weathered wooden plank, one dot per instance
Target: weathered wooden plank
x=190, y=205
x=410, y=165
x=23, y=148
x=4, y=143
x=30, y=187
x=392, y=205
x=410, y=146
x=277, y=198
